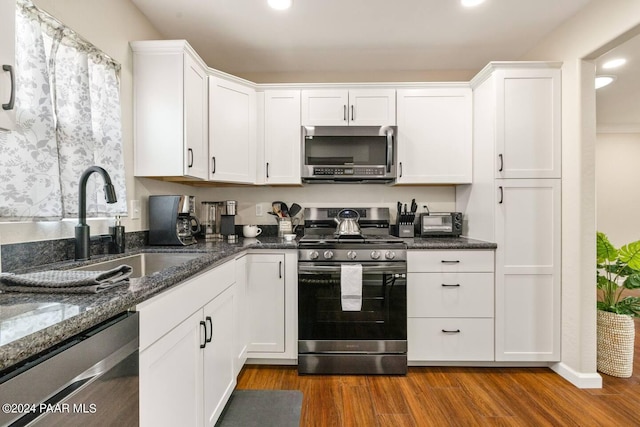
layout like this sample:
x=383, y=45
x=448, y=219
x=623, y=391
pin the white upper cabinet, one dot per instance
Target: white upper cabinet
x=434, y=136
x=282, y=136
x=232, y=131
x=7, y=65
x=358, y=107
x=170, y=110
x=528, y=115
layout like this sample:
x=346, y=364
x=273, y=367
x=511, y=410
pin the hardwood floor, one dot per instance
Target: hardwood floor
x=450, y=396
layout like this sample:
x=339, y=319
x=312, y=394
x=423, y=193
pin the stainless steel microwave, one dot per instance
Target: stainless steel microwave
x=349, y=153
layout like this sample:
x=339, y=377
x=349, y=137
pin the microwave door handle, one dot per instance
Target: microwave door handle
x=389, y=151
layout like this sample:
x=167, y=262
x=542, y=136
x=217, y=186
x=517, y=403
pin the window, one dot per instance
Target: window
x=68, y=118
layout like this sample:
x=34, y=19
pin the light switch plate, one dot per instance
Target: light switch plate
x=258, y=209
x=135, y=209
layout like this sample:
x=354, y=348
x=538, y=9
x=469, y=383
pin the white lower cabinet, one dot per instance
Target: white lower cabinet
x=271, y=305
x=187, y=351
x=450, y=305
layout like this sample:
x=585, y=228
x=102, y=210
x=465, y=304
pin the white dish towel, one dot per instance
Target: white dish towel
x=351, y=287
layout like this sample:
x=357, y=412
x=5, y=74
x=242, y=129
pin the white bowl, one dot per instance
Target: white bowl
x=289, y=237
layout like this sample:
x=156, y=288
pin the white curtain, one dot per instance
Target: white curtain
x=29, y=170
x=83, y=126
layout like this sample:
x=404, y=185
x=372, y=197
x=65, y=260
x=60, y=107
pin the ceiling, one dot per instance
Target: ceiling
x=246, y=36
x=618, y=104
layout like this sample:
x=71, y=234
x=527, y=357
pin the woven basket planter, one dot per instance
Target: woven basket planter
x=616, y=333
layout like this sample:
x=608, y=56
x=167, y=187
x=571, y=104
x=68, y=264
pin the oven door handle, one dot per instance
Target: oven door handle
x=396, y=268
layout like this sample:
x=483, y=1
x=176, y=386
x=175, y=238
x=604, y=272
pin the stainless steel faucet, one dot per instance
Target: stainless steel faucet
x=82, y=229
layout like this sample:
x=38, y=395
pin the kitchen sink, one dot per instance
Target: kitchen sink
x=145, y=263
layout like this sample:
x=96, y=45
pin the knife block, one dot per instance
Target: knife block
x=406, y=230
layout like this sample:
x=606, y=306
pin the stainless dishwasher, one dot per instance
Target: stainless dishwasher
x=90, y=379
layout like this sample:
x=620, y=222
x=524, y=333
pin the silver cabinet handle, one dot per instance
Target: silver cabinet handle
x=444, y=261
x=446, y=331
x=267, y=169
x=500, y=169
x=457, y=285
x=213, y=165
x=280, y=270
x=400, y=164
x=12, y=97
x=353, y=113
x=344, y=113
x=501, y=195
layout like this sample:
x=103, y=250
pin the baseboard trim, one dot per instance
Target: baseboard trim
x=579, y=379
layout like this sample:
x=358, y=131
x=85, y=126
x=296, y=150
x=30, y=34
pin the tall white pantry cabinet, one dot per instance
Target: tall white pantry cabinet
x=515, y=201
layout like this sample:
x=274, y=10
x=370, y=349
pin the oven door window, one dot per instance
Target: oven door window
x=384, y=304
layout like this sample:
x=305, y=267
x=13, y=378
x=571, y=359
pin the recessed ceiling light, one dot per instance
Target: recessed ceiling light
x=602, y=81
x=471, y=3
x=614, y=63
x=280, y=4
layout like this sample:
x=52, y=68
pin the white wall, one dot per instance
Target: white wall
x=617, y=183
x=598, y=24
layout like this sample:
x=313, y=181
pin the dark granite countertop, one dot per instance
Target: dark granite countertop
x=448, y=243
x=31, y=322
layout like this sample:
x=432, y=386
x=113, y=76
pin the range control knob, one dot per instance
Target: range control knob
x=390, y=255
x=352, y=254
x=375, y=255
x=328, y=254
x=313, y=254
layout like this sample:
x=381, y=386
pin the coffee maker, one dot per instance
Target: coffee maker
x=219, y=220
x=172, y=220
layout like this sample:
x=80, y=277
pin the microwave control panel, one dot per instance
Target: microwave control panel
x=348, y=171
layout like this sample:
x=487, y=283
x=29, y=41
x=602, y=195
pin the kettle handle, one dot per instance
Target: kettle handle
x=351, y=210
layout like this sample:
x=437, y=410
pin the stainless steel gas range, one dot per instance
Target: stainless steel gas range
x=352, y=296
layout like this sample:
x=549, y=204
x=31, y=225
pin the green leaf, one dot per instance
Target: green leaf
x=630, y=254
x=632, y=282
x=605, y=251
x=603, y=282
x=629, y=306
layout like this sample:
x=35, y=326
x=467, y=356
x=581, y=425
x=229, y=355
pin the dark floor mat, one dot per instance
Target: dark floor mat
x=262, y=408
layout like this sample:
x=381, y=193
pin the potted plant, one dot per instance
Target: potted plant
x=617, y=270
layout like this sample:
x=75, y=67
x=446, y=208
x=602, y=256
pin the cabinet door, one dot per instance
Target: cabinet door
x=232, y=131
x=196, y=118
x=282, y=136
x=218, y=370
x=528, y=129
x=7, y=58
x=528, y=270
x=265, y=303
x=372, y=107
x=325, y=107
x=240, y=313
x=434, y=136
x=171, y=377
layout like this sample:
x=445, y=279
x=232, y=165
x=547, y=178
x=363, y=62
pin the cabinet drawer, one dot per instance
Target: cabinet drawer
x=462, y=339
x=450, y=261
x=450, y=294
x=165, y=311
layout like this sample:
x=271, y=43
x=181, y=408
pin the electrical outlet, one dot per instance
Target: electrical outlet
x=258, y=209
x=135, y=209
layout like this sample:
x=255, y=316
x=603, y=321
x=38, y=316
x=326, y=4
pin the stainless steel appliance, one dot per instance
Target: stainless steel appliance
x=219, y=220
x=441, y=224
x=90, y=378
x=172, y=220
x=349, y=153
x=331, y=338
